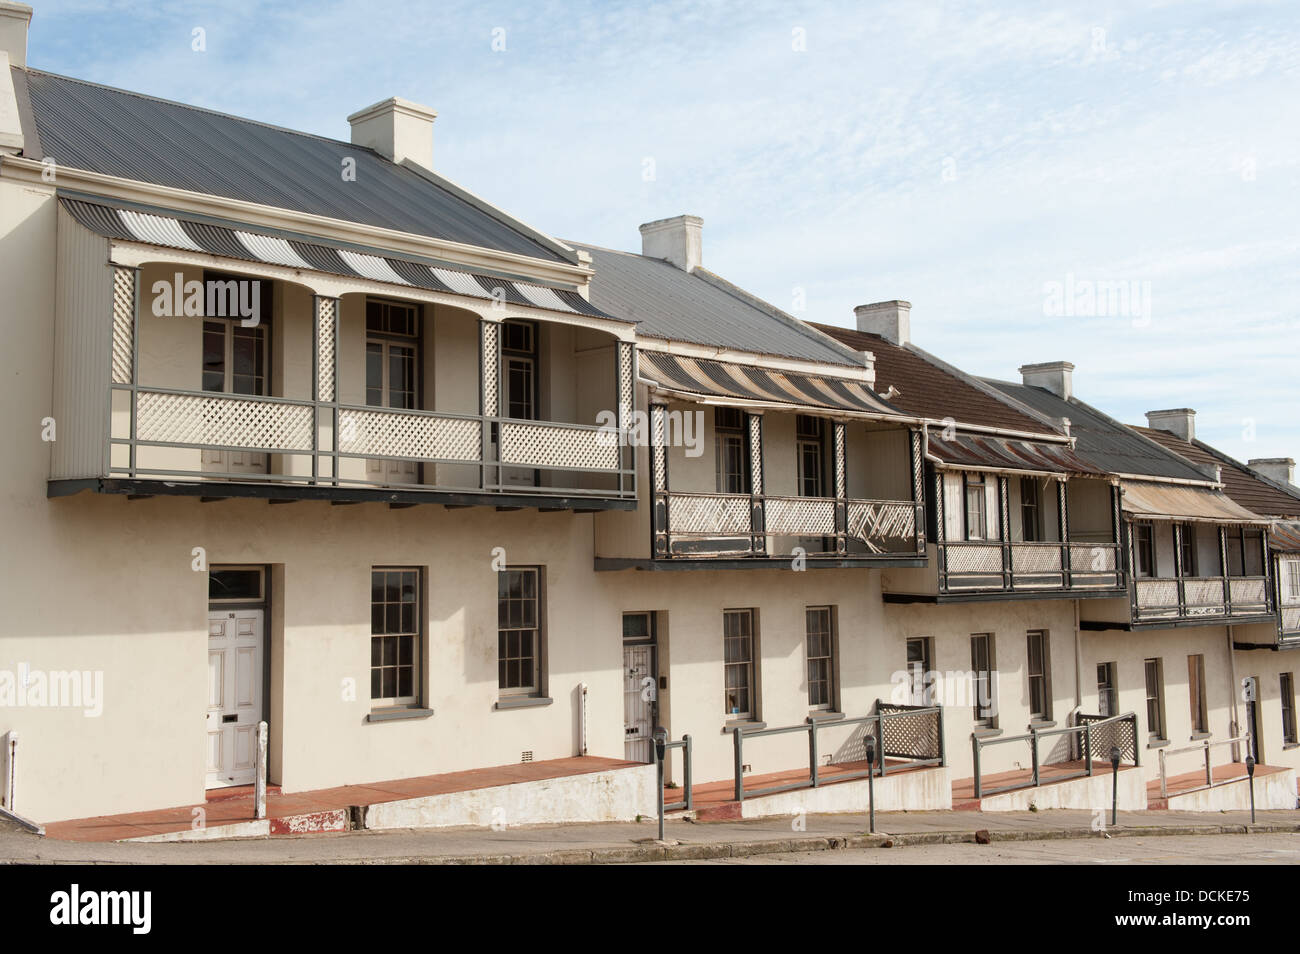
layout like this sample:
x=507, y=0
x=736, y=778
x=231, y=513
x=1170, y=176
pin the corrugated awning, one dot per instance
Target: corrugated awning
x=1193, y=504
x=1285, y=536
x=1001, y=453
x=170, y=229
x=747, y=383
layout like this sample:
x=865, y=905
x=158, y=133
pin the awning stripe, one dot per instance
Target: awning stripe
x=998, y=453
x=172, y=231
x=1182, y=503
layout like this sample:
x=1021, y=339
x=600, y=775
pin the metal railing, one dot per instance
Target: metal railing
x=1087, y=738
x=684, y=743
x=1193, y=597
x=1204, y=745
x=914, y=733
x=970, y=565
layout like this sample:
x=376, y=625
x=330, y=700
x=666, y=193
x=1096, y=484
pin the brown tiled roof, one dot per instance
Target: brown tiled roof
x=928, y=390
x=1239, y=482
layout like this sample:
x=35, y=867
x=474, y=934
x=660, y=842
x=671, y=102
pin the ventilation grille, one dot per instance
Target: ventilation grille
x=526, y=756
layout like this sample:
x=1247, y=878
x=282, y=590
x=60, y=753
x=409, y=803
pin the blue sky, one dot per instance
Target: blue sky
x=961, y=156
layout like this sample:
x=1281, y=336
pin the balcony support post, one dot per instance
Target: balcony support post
x=125, y=358
x=489, y=385
x=1004, y=532
x=1117, y=532
x=1063, y=518
x=659, y=478
x=838, y=434
x=626, y=380
x=325, y=345
x=1223, y=570
x=1178, y=569
x=918, y=490
x=1130, y=558
x=758, y=538
x=941, y=552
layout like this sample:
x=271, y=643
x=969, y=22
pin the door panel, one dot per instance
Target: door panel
x=640, y=682
x=235, y=654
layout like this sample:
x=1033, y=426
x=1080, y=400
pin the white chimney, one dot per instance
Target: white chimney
x=1054, y=376
x=1280, y=470
x=397, y=129
x=892, y=320
x=1180, y=421
x=679, y=240
x=15, y=18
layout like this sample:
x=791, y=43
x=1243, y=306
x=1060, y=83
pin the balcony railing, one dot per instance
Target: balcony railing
x=978, y=566
x=1290, y=624
x=1193, y=597
x=299, y=437
x=715, y=525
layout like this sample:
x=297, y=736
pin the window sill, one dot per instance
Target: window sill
x=522, y=702
x=742, y=724
x=823, y=715
x=1042, y=723
x=1288, y=746
x=1157, y=743
x=1198, y=736
x=986, y=733
x=397, y=715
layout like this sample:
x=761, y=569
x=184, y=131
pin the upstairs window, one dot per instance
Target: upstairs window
x=730, y=434
x=1031, y=509
x=1144, y=549
x=1187, y=549
x=976, y=508
x=810, y=435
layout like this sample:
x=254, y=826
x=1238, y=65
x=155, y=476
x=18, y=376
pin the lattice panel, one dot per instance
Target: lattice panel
x=123, y=323
x=918, y=465
x=626, y=381
x=222, y=422
x=1103, y=737
x=1291, y=619
x=938, y=506
x=550, y=445
x=1246, y=592
x=490, y=335
x=870, y=520
x=1063, y=508
x=841, y=465
x=1203, y=593
x=1035, y=559
x=658, y=445
x=709, y=515
x=1094, y=558
x=326, y=335
x=412, y=436
x=912, y=736
x=756, y=452
x=973, y=558
x=796, y=515
x=1157, y=593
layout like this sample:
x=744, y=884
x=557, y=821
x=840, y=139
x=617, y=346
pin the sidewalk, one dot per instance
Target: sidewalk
x=633, y=842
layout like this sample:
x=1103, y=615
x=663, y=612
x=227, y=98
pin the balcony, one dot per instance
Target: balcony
x=1191, y=598
x=1027, y=567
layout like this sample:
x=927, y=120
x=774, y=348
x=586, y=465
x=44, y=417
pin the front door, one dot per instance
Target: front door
x=234, y=695
x=640, y=683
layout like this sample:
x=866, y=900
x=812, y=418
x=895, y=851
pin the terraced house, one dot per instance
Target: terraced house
x=305, y=434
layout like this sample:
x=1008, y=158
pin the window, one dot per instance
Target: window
x=638, y=627
x=820, y=628
x=1292, y=588
x=811, y=439
x=981, y=664
x=738, y=662
x=1196, y=693
x=729, y=427
x=976, y=525
x=235, y=358
x=918, y=665
x=1187, y=549
x=1155, y=699
x=1107, y=691
x=392, y=354
x=1039, y=673
x=519, y=361
x=1144, y=549
x=519, y=631
x=1031, y=510
x=396, y=624
x=1288, y=709
x=236, y=584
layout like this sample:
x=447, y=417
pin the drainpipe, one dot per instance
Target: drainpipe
x=582, y=718
x=1078, y=661
x=1232, y=693
x=10, y=752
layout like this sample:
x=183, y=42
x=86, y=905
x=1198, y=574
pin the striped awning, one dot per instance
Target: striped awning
x=231, y=240
x=1285, y=536
x=1189, y=504
x=744, y=383
x=1002, y=453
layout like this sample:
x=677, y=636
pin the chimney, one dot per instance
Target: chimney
x=679, y=240
x=1180, y=421
x=1280, y=470
x=890, y=319
x=1054, y=376
x=397, y=129
x=15, y=18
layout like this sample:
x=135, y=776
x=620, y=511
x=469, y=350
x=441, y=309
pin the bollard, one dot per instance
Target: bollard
x=259, y=780
x=661, y=747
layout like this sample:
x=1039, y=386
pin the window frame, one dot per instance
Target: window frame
x=1044, y=676
x=1187, y=554
x=1144, y=546
x=831, y=679
x=749, y=664
x=1199, y=710
x=1286, y=686
x=416, y=635
x=977, y=484
x=810, y=442
x=919, y=692
x=984, y=675
x=1107, y=689
x=1157, y=728
x=537, y=688
x=1031, y=511
x=731, y=438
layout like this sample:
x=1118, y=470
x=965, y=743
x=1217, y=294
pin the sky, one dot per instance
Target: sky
x=1113, y=185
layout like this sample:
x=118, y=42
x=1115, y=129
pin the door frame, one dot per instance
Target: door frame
x=652, y=641
x=264, y=604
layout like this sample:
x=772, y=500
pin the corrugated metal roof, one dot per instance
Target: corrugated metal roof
x=996, y=453
x=1174, y=502
x=114, y=132
x=744, y=382
x=668, y=302
x=232, y=240
x=928, y=390
x=1105, y=443
x=1239, y=482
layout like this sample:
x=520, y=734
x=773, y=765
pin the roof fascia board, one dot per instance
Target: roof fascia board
x=758, y=407
x=942, y=465
x=1179, y=481
x=29, y=171
x=134, y=254
x=1053, y=437
x=688, y=349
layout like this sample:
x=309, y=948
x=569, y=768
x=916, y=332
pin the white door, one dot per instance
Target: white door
x=639, y=693
x=234, y=695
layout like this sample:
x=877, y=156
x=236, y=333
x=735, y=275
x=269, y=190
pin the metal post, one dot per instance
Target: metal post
x=1114, y=797
x=975, y=746
x=1164, y=788
x=740, y=782
x=1033, y=744
x=686, y=771
x=1250, y=771
x=943, y=749
x=812, y=750
x=880, y=742
x=259, y=780
x=660, y=746
x=1209, y=774
x=1087, y=746
x=10, y=755
x=871, y=786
